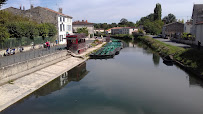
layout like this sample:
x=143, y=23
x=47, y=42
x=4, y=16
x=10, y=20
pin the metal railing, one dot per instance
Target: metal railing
x=28, y=55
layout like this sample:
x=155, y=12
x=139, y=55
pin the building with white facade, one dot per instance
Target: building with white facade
x=64, y=27
x=84, y=24
x=123, y=30
x=188, y=27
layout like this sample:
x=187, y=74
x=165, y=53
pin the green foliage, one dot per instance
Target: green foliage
x=2, y=2
x=4, y=33
x=43, y=30
x=192, y=58
x=154, y=27
x=123, y=23
x=169, y=19
x=83, y=30
x=52, y=29
x=188, y=36
x=157, y=12
x=19, y=26
x=152, y=23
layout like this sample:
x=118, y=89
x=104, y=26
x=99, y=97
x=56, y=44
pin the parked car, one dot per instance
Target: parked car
x=158, y=36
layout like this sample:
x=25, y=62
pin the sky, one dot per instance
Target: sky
x=110, y=11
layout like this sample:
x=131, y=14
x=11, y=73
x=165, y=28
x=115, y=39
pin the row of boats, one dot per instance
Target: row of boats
x=108, y=51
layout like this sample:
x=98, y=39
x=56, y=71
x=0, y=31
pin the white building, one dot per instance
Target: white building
x=83, y=24
x=123, y=30
x=64, y=27
x=188, y=27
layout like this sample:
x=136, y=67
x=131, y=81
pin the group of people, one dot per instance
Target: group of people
x=9, y=51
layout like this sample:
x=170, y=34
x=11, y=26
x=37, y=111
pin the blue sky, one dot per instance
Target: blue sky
x=100, y=11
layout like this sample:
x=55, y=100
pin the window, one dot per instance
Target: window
x=63, y=19
x=63, y=27
x=60, y=19
x=69, y=28
x=60, y=27
x=61, y=38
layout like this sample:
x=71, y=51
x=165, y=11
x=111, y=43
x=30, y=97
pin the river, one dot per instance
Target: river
x=135, y=81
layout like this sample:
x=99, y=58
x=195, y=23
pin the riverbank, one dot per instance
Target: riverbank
x=191, y=59
x=20, y=88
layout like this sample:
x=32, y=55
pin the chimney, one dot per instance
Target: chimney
x=31, y=6
x=86, y=21
x=23, y=7
x=60, y=10
x=20, y=7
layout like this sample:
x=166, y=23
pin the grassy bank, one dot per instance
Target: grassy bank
x=190, y=58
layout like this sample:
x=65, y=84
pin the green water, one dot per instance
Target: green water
x=135, y=82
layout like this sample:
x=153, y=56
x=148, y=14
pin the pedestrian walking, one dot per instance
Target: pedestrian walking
x=56, y=42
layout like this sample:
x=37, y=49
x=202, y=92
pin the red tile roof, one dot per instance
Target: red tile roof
x=56, y=12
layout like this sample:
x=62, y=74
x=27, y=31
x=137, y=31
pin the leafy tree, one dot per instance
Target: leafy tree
x=170, y=18
x=150, y=17
x=104, y=26
x=2, y=2
x=31, y=30
x=43, y=30
x=4, y=33
x=123, y=21
x=52, y=29
x=83, y=30
x=157, y=12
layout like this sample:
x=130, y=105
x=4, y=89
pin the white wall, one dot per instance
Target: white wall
x=66, y=28
x=199, y=34
x=89, y=27
x=187, y=28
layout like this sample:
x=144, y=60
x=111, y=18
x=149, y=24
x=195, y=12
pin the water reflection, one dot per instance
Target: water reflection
x=128, y=84
x=75, y=74
x=156, y=59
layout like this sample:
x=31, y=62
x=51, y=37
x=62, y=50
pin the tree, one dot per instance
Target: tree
x=83, y=30
x=170, y=18
x=123, y=21
x=104, y=26
x=2, y=2
x=43, y=30
x=157, y=12
x=52, y=29
x=4, y=33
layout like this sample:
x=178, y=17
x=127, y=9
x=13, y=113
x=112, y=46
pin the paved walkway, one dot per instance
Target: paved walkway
x=11, y=93
x=168, y=41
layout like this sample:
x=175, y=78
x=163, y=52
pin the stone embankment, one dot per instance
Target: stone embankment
x=36, y=77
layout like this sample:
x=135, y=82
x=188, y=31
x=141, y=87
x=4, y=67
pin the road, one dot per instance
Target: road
x=168, y=41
